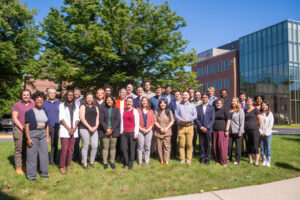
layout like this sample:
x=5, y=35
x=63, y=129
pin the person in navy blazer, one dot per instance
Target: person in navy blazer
x=205, y=121
x=168, y=94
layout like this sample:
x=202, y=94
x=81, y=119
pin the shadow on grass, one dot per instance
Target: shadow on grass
x=11, y=160
x=6, y=196
x=292, y=139
x=286, y=166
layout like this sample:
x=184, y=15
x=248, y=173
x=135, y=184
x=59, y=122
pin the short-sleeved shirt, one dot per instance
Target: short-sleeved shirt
x=52, y=112
x=251, y=121
x=21, y=109
x=221, y=117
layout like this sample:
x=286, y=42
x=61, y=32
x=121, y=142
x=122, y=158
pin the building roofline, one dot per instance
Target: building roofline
x=216, y=56
x=286, y=20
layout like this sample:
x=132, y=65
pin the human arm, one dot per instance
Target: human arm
x=241, y=123
x=16, y=120
x=136, y=123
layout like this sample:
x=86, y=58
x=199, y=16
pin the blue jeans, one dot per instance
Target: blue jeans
x=265, y=145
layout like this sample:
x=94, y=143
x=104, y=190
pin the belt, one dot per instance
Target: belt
x=40, y=127
x=186, y=125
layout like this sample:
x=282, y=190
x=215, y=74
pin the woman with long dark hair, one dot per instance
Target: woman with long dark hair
x=164, y=120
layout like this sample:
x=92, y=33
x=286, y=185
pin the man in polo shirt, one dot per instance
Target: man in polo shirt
x=185, y=115
x=155, y=100
x=51, y=108
x=18, y=116
x=147, y=92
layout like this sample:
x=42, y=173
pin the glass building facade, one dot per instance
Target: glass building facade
x=270, y=65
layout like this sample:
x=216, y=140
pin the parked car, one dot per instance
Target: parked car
x=6, y=123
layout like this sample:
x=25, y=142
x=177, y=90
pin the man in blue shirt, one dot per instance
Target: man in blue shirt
x=51, y=108
x=211, y=97
x=155, y=100
x=137, y=102
x=168, y=94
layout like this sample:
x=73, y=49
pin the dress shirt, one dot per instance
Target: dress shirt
x=185, y=111
x=155, y=100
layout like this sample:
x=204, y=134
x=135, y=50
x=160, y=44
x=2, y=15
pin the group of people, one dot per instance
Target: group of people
x=137, y=125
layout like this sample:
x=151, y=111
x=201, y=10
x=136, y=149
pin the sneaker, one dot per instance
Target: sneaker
x=264, y=161
x=182, y=162
x=188, y=162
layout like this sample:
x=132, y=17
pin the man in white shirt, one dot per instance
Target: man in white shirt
x=129, y=90
x=147, y=90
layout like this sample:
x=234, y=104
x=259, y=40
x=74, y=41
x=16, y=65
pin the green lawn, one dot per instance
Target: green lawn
x=287, y=126
x=147, y=183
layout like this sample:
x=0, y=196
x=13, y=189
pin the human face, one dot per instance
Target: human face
x=185, y=97
x=139, y=91
x=122, y=94
x=39, y=101
x=77, y=94
x=211, y=93
x=259, y=100
x=168, y=90
x=223, y=94
x=204, y=99
x=177, y=96
x=70, y=97
x=162, y=105
x=109, y=102
x=107, y=91
x=100, y=95
x=144, y=103
x=89, y=99
x=198, y=96
x=26, y=96
x=129, y=103
x=192, y=93
x=264, y=107
x=249, y=102
x=147, y=86
x=158, y=92
x=219, y=104
x=234, y=103
x=129, y=89
x=242, y=97
x=51, y=94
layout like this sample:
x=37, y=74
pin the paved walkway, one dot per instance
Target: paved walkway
x=279, y=190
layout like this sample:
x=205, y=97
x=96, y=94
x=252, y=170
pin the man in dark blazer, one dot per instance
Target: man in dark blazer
x=205, y=121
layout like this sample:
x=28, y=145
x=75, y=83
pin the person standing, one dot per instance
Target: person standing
x=68, y=131
x=185, y=115
x=252, y=126
x=226, y=100
x=37, y=135
x=211, y=95
x=100, y=98
x=259, y=99
x=137, y=101
x=18, y=116
x=236, y=131
x=89, y=117
x=197, y=102
x=266, y=134
x=155, y=100
x=164, y=120
x=109, y=131
x=147, y=90
x=221, y=132
x=79, y=102
x=129, y=132
x=51, y=108
x=191, y=92
x=205, y=121
x=146, y=117
x=108, y=89
x=129, y=91
x=168, y=94
x=172, y=107
x=242, y=99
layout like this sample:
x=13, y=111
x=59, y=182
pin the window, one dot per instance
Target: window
x=203, y=70
x=199, y=71
x=220, y=66
x=208, y=84
x=208, y=69
x=215, y=84
x=214, y=68
x=220, y=85
x=226, y=83
x=226, y=63
x=203, y=88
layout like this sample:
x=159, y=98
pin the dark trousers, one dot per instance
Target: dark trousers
x=204, y=139
x=252, y=141
x=128, y=148
x=67, y=146
x=234, y=138
x=220, y=146
x=76, y=154
x=53, y=132
x=174, y=141
x=195, y=138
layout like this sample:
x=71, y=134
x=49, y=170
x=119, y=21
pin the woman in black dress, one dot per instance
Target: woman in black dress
x=252, y=125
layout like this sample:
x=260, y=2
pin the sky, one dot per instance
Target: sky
x=212, y=23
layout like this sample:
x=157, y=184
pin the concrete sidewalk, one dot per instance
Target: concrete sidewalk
x=280, y=190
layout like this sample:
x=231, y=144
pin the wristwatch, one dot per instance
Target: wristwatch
x=28, y=138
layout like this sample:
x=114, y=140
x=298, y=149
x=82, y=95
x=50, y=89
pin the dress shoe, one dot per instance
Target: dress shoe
x=207, y=162
x=112, y=165
x=105, y=166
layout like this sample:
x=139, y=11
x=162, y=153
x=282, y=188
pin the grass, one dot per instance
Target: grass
x=287, y=126
x=147, y=183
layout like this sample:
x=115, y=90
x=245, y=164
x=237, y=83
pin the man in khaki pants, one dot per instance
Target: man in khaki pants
x=185, y=114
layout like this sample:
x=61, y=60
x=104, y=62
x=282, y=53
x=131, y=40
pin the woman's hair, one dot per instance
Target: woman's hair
x=167, y=111
x=217, y=101
x=38, y=94
x=259, y=95
x=85, y=102
x=238, y=106
x=112, y=98
x=66, y=100
x=100, y=89
x=25, y=90
x=148, y=103
x=251, y=99
x=268, y=110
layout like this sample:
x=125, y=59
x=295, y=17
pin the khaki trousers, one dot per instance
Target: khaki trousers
x=185, y=134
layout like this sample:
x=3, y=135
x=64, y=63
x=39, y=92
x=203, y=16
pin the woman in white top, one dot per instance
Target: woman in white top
x=266, y=133
x=69, y=120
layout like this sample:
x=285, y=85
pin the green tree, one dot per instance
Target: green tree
x=91, y=43
x=18, y=46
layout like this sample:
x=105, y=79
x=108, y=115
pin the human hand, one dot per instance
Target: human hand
x=30, y=143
